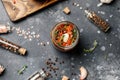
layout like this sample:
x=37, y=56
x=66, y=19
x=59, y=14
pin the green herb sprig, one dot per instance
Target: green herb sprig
x=22, y=69
x=95, y=43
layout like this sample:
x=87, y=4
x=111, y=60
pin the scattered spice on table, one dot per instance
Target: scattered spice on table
x=26, y=34
x=52, y=66
x=77, y=5
x=95, y=43
x=30, y=34
x=22, y=69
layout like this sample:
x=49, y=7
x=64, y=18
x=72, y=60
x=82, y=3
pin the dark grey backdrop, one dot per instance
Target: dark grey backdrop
x=102, y=64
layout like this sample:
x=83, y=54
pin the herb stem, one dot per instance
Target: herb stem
x=95, y=43
x=22, y=69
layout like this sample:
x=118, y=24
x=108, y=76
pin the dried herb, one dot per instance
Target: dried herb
x=22, y=69
x=95, y=43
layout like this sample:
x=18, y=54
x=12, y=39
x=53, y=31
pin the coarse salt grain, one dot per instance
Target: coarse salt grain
x=27, y=34
x=30, y=39
x=110, y=45
x=100, y=4
x=37, y=36
x=32, y=33
x=74, y=4
x=111, y=16
x=81, y=8
x=81, y=30
x=98, y=32
x=103, y=48
x=25, y=37
x=78, y=5
x=41, y=43
x=101, y=12
x=107, y=20
x=47, y=43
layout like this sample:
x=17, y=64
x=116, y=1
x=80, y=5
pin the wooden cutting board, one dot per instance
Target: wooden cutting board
x=22, y=8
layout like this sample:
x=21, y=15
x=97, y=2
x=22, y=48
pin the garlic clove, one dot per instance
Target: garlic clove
x=106, y=1
x=83, y=72
x=65, y=37
x=1, y=69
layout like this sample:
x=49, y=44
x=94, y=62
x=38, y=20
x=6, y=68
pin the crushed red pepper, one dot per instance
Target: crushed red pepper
x=60, y=32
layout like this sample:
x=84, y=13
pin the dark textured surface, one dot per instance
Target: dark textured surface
x=102, y=64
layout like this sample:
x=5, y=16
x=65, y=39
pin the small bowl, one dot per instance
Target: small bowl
x=65, y=36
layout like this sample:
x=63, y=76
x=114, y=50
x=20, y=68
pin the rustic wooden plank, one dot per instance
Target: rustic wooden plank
x=22, y=8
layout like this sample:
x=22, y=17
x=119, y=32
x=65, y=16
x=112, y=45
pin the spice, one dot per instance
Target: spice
x=104, y=26
x=39, y=75
x=91, y=49
x=27, y=34
x=5, y=28
x=11, y=46
x=21, y=70
x=51, y=67
x=1, y=69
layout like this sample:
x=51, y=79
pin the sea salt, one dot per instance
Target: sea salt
x=103, y=48
x=98, y=32
x=81, y=30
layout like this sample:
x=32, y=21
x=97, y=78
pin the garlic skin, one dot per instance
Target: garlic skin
x=83, y=72
x=106, y=1
x=1, y=69
x=65, y=78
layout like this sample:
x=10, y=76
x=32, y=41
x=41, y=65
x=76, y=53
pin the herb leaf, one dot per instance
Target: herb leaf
x=95, y=43
x=22, y=69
